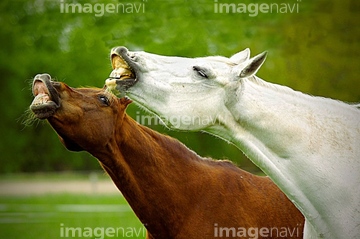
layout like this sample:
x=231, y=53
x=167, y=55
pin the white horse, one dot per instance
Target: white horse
x=309, y=146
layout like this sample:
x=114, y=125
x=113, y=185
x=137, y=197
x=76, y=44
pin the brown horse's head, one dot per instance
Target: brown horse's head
x=84, y=118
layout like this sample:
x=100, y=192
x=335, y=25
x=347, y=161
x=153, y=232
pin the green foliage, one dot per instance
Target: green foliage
x=314, y=51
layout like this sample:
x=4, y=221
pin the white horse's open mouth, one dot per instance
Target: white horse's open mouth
x=46, y=99
x=124, y=67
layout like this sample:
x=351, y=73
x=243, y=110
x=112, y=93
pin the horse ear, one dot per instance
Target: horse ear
x=241, y=56
x=251, y=66
x=125, y=101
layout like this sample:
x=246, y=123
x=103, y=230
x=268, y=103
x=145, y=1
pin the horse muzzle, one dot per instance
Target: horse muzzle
x=124, y=67
x=46, y=99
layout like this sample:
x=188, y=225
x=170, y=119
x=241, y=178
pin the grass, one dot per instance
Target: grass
x=68, y=216
x=54, y=176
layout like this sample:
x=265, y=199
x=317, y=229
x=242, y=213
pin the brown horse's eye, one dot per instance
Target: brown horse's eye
x=103, y=99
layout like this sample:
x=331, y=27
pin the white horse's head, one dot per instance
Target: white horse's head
x=186, y=93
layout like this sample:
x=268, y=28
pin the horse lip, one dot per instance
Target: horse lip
x=47, y=99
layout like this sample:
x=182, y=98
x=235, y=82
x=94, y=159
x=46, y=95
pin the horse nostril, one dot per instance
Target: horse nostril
x=132, y=57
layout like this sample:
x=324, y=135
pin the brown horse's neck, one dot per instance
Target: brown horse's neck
x=150, y=169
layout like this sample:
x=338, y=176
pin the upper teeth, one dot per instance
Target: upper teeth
x=121, y=68
x=40, y=99
x=120, y=72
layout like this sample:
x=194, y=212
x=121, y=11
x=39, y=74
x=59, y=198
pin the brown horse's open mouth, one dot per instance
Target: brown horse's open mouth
x=46, y=97
x=123, y=75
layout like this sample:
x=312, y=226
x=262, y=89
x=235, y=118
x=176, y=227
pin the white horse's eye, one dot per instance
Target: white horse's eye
x=200, y=71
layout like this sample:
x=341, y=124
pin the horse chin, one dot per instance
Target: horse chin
x=120, y=86
x=43, y=110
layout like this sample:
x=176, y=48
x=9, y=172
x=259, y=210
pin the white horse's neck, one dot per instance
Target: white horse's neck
x=299, y=140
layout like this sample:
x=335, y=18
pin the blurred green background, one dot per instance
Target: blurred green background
x=314, y=50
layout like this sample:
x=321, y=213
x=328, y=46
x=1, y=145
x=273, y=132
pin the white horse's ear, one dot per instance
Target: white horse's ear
x=251, y=66
x=241, y=56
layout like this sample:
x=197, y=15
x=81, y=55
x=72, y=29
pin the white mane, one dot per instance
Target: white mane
x=221, y=59
x=288, y=90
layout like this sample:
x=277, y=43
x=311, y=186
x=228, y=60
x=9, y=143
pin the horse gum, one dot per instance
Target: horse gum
x=121, y=69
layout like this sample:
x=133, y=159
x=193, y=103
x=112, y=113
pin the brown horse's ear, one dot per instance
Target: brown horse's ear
x=70, y=145
x=125, y=101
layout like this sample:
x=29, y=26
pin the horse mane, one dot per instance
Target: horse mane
x=181, y=149
x=290, y=91
x=222, y=59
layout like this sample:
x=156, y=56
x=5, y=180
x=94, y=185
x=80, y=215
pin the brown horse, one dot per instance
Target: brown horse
x=174, y=192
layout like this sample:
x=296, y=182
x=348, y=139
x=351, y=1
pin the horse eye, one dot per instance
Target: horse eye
x=104, y=100
x=200, y=71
